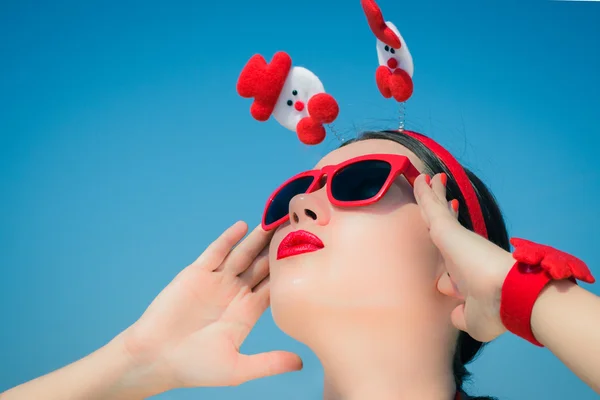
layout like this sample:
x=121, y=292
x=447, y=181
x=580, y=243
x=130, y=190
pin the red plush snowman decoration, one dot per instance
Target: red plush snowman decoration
x=395, y=71
x=294, y=96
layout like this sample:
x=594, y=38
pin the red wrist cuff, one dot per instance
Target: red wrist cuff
x=520, y=290
x=536, y=265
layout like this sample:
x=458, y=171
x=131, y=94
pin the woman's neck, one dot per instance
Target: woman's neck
x=385, y=388
x=414, y=366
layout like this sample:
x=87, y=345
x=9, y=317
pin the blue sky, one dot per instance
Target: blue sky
x=124, y=150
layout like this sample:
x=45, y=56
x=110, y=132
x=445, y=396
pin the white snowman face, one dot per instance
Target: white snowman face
x=292, y=105
x=395, y=58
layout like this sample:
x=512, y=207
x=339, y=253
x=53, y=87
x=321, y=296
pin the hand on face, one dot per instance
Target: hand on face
x=476, y=267
x=192, y=332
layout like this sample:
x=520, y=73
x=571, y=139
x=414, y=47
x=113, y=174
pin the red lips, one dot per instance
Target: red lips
x=298, y=242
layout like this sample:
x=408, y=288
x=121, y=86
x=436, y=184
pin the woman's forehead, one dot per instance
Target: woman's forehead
x=369, y=146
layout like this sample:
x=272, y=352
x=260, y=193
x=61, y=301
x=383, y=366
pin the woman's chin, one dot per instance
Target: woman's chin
x=320, y=322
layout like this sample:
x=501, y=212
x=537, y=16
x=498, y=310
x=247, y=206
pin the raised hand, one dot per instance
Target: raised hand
x=476, y=267
x=192, y=332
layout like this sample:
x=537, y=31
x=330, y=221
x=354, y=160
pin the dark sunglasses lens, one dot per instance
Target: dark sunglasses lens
x=280, y=205
x=360, y=181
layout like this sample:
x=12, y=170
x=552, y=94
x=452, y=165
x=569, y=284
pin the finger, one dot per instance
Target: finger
x=246, y=251
x=245, y=310
x=458, y=318
x=453, y=205
x=438, y=184
x=263, y=287
x=260, y=299
x=265, y=364
x=447, y=287
x=218, y=250
x=258, y=270
x=433, y=209
x=421, y=184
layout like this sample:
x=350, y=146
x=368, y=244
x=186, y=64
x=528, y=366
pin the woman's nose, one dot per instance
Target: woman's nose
x=308, y=209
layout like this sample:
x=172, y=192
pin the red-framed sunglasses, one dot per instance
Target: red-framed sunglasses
x=355, y=182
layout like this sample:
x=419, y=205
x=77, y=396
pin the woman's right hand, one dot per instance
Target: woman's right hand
x=191, y=334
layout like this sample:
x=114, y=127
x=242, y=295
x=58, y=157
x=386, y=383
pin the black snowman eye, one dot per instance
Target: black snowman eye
x=387, y=48
x=295, y=92
x=289, y=103
x=392, y=51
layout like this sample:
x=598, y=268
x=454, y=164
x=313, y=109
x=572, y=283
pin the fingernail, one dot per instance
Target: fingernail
x=444, y=178
x=454, y=205
x=428, y=179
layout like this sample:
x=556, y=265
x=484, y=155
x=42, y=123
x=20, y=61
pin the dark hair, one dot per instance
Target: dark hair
x=467, y=347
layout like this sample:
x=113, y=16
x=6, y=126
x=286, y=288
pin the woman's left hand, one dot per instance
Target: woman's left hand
x=476, y=267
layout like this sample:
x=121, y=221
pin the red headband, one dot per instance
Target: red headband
x=461, y=179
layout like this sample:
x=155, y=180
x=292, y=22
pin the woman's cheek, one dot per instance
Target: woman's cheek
x=387, y=251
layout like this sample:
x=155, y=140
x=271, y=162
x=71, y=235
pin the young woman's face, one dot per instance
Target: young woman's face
x=378, y=266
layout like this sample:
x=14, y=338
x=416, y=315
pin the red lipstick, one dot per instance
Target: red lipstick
x=298, y=242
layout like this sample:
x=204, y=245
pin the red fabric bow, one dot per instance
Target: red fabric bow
x=558, y=264
x=536, y=266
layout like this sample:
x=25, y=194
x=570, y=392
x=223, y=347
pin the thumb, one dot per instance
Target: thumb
x=261, y=365
x=458, y=318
